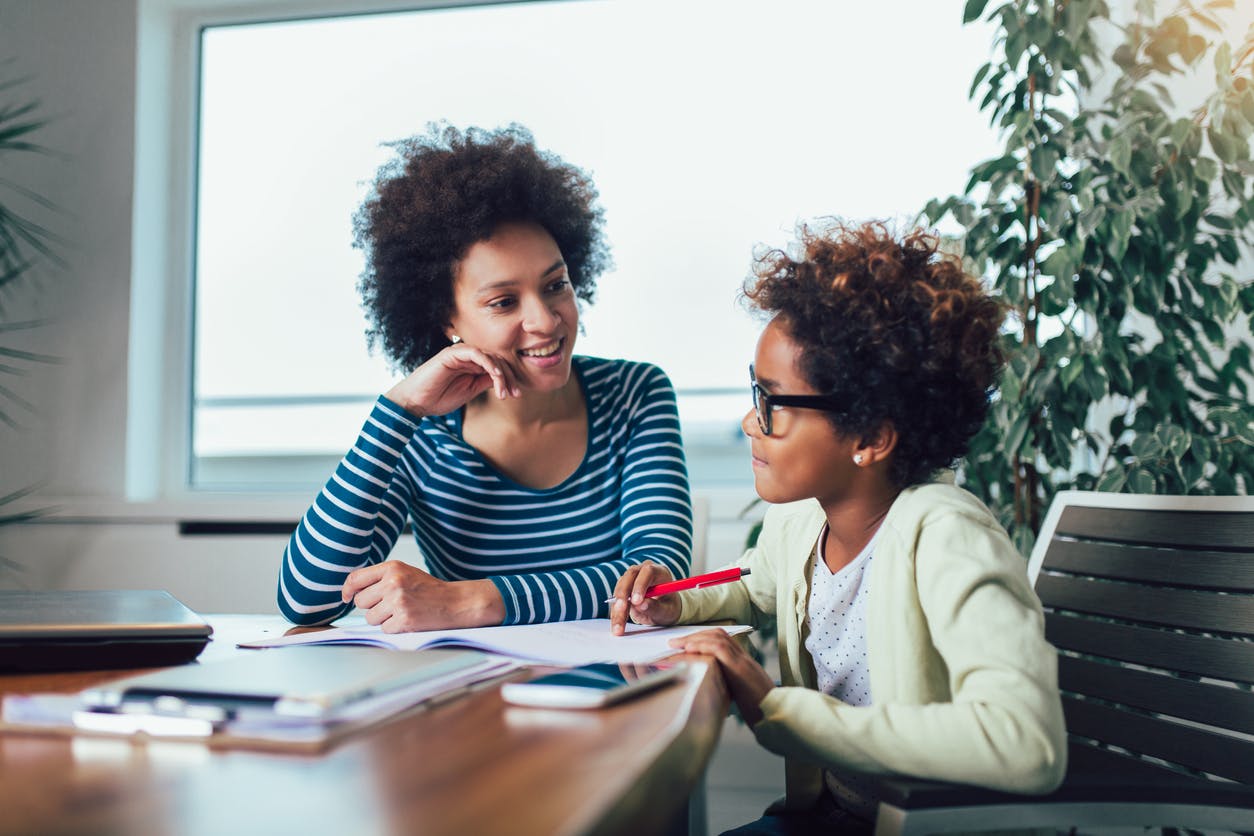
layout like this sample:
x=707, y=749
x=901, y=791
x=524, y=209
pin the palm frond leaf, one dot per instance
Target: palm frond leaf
x=19, y=354
x=19, y=516
x=22, y=326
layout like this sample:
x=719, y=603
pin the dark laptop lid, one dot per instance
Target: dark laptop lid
x=90, y=629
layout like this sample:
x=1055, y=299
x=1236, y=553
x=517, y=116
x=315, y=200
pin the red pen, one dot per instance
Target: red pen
x=695, y=582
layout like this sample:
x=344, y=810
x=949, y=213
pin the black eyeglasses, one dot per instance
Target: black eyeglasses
x=764, y=403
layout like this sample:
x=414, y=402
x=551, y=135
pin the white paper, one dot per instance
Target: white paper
x=565, y=643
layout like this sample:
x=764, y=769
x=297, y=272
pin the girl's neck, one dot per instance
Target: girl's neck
x=852, y=522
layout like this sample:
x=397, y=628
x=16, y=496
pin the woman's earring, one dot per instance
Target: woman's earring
x=456, y=339
x=857, y=459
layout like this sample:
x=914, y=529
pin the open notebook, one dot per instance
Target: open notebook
x=95, y=629
x=558, y=643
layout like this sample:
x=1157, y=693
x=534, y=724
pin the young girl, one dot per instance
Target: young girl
x=910, y=640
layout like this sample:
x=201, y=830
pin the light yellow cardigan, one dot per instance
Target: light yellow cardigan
x=964, y=686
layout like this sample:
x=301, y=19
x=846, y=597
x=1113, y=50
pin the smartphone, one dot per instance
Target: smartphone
x=589, y=686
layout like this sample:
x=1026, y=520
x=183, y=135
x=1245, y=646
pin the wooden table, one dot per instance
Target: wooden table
x=471, y=766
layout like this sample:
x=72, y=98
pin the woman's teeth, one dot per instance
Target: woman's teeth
x=545, y=351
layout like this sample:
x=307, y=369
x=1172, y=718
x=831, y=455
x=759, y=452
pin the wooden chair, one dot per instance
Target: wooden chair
x=1150, y=602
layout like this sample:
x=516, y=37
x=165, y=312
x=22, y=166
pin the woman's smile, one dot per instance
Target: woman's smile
x=545, y=355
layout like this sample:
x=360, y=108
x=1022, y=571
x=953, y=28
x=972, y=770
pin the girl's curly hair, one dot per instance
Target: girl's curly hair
x=445, y=191
x=894, y=330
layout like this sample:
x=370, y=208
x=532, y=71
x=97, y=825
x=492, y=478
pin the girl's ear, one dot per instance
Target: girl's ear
x=877, y=447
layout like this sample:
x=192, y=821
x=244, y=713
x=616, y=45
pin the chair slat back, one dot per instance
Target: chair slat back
x=1190, y=530
x=1186, y=746
x=1150, y=601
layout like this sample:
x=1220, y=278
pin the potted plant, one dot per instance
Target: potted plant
x=24, y=244
x=1112, y=224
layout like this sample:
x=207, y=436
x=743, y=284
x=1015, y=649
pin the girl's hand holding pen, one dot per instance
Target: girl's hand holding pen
x=630, y=600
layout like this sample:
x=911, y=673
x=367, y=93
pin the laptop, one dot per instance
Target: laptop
x=64, y=630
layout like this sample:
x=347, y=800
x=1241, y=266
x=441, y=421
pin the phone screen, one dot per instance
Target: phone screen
x=603, y=676
x=588, y=686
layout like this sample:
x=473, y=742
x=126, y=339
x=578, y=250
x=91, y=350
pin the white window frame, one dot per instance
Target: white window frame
x=160, y=398
x=159, y=392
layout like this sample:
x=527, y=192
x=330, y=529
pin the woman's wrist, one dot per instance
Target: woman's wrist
x=397, y=396
x=481, y=603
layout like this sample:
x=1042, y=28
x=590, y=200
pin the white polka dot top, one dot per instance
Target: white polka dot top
x=837, y=640
x=837, y=643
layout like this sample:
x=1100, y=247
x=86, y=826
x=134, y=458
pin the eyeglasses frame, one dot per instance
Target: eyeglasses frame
x=761, y=397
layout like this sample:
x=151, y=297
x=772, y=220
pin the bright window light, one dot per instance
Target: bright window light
x=709, y=128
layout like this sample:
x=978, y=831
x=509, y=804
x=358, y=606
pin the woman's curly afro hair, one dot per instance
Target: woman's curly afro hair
x=447, y=190
x=894, y=330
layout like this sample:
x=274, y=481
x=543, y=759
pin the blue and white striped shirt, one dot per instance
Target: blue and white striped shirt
x=554, y=554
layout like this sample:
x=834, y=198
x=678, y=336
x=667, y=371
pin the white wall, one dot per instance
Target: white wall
x=80, y=57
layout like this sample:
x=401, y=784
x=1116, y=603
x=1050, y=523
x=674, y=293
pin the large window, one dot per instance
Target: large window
x=709, y=127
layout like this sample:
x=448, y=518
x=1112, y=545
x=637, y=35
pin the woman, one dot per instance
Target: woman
x=532, y=477
x=910, y=640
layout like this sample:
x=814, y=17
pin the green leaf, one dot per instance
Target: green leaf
x=1225, y=148
x=1228, y=249
x=1175, y=441
x=1120, y=230
x=1112, y=480
x=1070, y=372
x=1016, y=44
x=1142, y=481
x=1247, y=104
x=1147, y=446
x=1120, y=154
x=1094, y=380
x=1090, y=220
x=1043, y=162
x=1223, y=63
x=1180, y=131
x=979, y=76
x=973, y=10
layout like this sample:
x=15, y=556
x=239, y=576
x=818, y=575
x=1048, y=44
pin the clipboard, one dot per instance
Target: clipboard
x=296, y=698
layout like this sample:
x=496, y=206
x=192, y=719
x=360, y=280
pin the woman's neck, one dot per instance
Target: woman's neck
x=538, y=440
x=531, y=409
